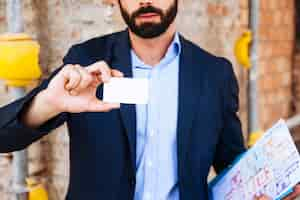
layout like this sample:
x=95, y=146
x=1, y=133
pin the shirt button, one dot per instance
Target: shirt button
x=150, y=164
x=151, y=133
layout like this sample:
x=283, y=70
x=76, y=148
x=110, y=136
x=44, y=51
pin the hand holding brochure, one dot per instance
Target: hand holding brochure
x=271, y=167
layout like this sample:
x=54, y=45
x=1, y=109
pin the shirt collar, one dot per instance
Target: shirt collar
x=173, y=51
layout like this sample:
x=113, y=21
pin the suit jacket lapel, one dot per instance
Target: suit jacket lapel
x=120, y=59
x=188, y=93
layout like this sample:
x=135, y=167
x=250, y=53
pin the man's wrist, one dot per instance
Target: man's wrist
x=45, y=102
x=40, y=110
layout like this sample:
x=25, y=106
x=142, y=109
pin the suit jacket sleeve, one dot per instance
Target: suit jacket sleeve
x=16, y=136
x=231, y=142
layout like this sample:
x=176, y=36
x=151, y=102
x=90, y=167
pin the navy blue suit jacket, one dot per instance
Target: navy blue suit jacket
x=103, y=145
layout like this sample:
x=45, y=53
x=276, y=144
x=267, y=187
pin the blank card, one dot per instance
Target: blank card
x=126, y=90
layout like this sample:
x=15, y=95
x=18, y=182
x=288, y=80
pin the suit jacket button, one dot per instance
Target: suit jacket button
x=132, y=182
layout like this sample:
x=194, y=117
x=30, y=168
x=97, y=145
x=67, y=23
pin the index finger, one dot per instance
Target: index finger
x=117, y=73
x=102, y=69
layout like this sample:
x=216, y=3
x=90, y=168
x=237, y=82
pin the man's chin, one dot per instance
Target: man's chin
x=148, y=30
x=149, y=35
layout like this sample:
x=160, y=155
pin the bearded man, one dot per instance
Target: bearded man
x=159, y=151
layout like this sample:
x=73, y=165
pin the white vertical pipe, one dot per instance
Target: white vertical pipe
x=253, y=103
x=14, y=16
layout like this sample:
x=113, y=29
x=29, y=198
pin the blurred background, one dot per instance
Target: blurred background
x=213, y=24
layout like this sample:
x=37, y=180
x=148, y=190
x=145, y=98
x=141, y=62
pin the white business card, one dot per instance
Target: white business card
x=126, y=90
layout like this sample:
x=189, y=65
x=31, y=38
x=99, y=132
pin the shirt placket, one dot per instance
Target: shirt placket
x=151, y=162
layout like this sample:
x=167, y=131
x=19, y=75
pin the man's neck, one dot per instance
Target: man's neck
x=151, y=51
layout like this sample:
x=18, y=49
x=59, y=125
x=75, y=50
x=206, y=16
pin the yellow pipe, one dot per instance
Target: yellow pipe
x=36, y=190
x=19, y=59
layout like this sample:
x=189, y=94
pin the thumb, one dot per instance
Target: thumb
x=262, y=197
x=294, y=194
x=97, y=105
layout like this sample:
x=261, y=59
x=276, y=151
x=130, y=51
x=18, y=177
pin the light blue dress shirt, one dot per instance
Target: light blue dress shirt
x=156, y=152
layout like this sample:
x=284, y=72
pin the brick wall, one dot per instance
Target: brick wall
x=296, y=92
x=213, y=24
x=275, y=60
x=296, y=73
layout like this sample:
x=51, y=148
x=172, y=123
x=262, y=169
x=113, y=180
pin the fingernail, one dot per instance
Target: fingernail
x=73, y=92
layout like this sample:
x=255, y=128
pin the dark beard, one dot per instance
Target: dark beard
x=150, y=30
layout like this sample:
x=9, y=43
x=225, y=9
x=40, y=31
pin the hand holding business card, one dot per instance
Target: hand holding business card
x=126, y=90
